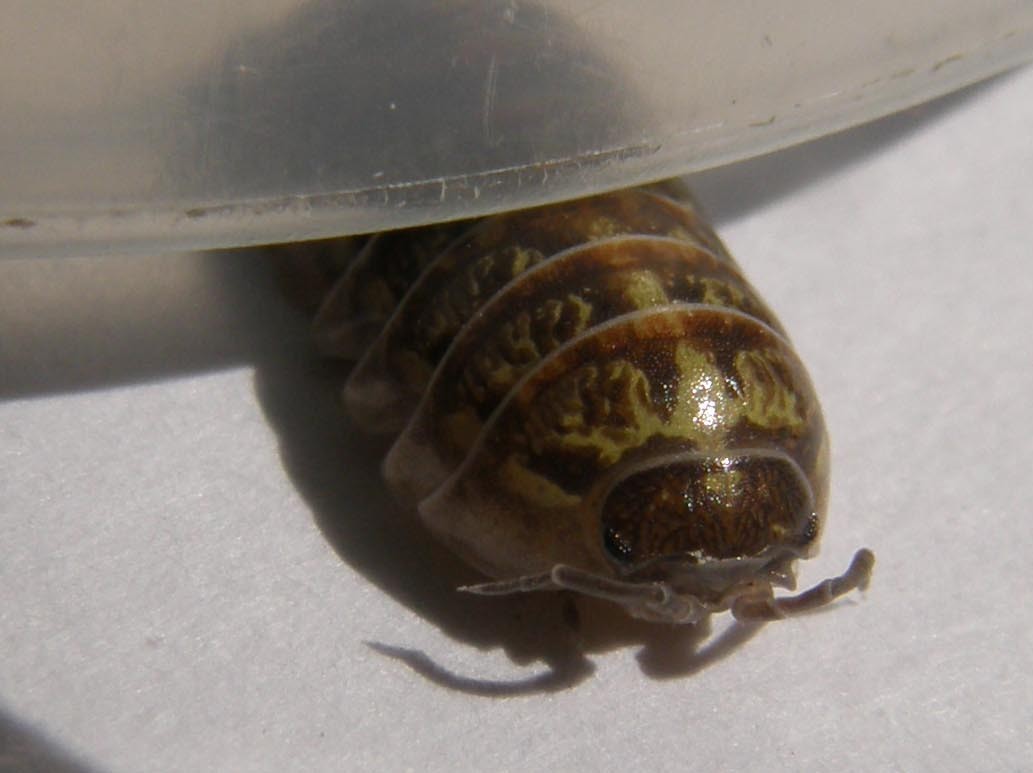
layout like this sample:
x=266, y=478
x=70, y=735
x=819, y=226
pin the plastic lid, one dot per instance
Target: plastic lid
x=142, y=126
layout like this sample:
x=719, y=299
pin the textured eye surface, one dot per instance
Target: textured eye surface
x=590, y=396
x=616, y=545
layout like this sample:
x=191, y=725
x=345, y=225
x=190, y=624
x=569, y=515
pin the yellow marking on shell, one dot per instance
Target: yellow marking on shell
x=515, y=342
x=702, y=405
x=465, y=294
x=641, y=289
x=491, y=370
x=574, y=309
x=524, y=340
x=768, y=401
x=603, y=227
x=523, y=259
x=718, y=293
x=609, y=409
x=447, y=314
x=682, y=233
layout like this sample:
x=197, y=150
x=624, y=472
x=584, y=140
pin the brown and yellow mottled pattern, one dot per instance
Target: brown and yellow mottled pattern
x=575, y=290
x=505, y=246
x=475, y=267
x=671, y=380
x=592, y=384
x=374, y=283
x=669, y=375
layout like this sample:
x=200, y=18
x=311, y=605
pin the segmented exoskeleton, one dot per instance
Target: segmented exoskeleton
x=591, y=396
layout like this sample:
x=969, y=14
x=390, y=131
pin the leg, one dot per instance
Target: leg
x=760, y=605
x=654, y=601
x=527, y=584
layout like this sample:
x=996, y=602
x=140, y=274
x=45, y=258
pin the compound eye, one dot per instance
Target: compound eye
x=616, y=545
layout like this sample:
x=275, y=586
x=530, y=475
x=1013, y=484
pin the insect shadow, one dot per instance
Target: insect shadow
x=336, y=470
x=25, y=748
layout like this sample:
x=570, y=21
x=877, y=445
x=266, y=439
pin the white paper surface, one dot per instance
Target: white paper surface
x=200, y=569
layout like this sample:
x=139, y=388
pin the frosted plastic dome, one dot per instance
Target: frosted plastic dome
x=145, y=126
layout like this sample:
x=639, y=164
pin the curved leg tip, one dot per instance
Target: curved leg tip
x=860, y=569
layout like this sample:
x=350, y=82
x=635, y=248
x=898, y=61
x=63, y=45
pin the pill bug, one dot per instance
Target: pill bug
x=590, y=396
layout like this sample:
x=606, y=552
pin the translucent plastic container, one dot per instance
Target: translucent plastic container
x=132, y=125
